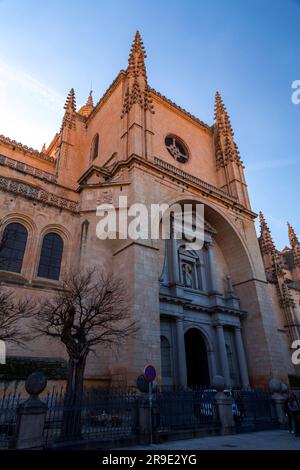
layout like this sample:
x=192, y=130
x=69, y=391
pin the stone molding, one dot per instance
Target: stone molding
x=27, y=169
x=32, y=192
x=27, y=150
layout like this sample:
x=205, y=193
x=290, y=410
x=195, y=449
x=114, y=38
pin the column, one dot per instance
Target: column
x=212, y=364
x=223, y=355
x=212, y=267
x=173, y=261
x=181, y=359
x=241, y=357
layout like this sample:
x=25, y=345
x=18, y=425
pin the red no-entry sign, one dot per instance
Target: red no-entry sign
x=150, y=373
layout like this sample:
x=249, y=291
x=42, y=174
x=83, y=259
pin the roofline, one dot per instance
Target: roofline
x=107, y=93
x=26, y=150
x=122, y=74
x=180, y=109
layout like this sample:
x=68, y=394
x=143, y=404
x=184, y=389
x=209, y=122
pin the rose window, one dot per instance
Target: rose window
x=176, y=149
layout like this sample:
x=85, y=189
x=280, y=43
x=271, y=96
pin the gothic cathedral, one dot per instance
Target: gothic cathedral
x=230, y=309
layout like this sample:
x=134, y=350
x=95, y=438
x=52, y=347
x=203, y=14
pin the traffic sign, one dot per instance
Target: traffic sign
x=150, y=373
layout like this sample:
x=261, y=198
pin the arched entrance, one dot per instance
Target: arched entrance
x=196, y=359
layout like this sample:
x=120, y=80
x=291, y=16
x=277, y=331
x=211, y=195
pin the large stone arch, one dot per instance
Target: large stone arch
x=241, y=265
x=237, y=239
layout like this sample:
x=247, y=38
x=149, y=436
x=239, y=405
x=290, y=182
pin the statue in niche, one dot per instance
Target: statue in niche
x=187, y=274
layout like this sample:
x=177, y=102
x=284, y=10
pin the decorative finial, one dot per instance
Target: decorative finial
x=70, y=103
x=90, y=101
x=266, y=242
x=137, y=90
x=226, y=149
x=69, y=119
x=88, y=107
x=294, y=241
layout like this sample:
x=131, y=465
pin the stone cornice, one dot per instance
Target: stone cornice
x=193, y=179
x=172, y=172
x=27, y=169
x=26, y=150
x=40, y=195
x=94, y=169
x=188, y=305
x=206, y=189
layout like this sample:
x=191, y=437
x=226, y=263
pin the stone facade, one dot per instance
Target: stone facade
x=205, y=313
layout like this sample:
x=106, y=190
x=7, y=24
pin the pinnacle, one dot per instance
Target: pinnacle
x=136, y=62
x=90, y=101
x=71, y=101
x=138, y=46
x=262, y=219
x=294, y=241
x=266, y=240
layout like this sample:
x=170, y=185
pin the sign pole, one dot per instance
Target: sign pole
x=150, y=413
x=150, y=374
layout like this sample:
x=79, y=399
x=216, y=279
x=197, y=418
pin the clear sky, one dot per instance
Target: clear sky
x=249, y=50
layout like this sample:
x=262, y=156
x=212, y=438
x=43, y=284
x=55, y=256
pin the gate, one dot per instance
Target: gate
x=255, y=411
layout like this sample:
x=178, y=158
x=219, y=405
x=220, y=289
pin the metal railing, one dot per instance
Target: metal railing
x=8, y=413
x=185, y=409
x=101, y=416
x=254, y=410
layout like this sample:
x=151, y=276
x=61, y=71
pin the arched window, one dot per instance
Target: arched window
x=51, y=255
x=95, y=147
x=166, y=363
x=12, y=247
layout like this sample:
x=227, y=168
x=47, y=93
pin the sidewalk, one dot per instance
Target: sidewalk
x=263, y=440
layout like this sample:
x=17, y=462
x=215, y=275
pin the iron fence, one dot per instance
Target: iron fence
x=254, y=410
x=8, y=412
x=185, y=409
x=114, y=415
x=101, y=416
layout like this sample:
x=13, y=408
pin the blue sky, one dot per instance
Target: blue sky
x=249, y=50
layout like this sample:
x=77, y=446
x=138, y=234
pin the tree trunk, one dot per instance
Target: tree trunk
x=73, y=401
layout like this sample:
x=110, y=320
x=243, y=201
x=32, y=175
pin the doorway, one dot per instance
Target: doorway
x=196, y=359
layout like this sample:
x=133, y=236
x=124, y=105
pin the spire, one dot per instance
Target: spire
x=136, y=61
x=226, y=149
x=266, y=242
x=294, y=241
x=137, y=90
x=88, y=107
x=70, y=110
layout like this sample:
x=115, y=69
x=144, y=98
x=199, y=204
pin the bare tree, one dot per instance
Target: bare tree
x=12, y=312
x=91, y=309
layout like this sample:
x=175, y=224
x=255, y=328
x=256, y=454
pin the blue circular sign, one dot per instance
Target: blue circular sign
x=150, y=373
